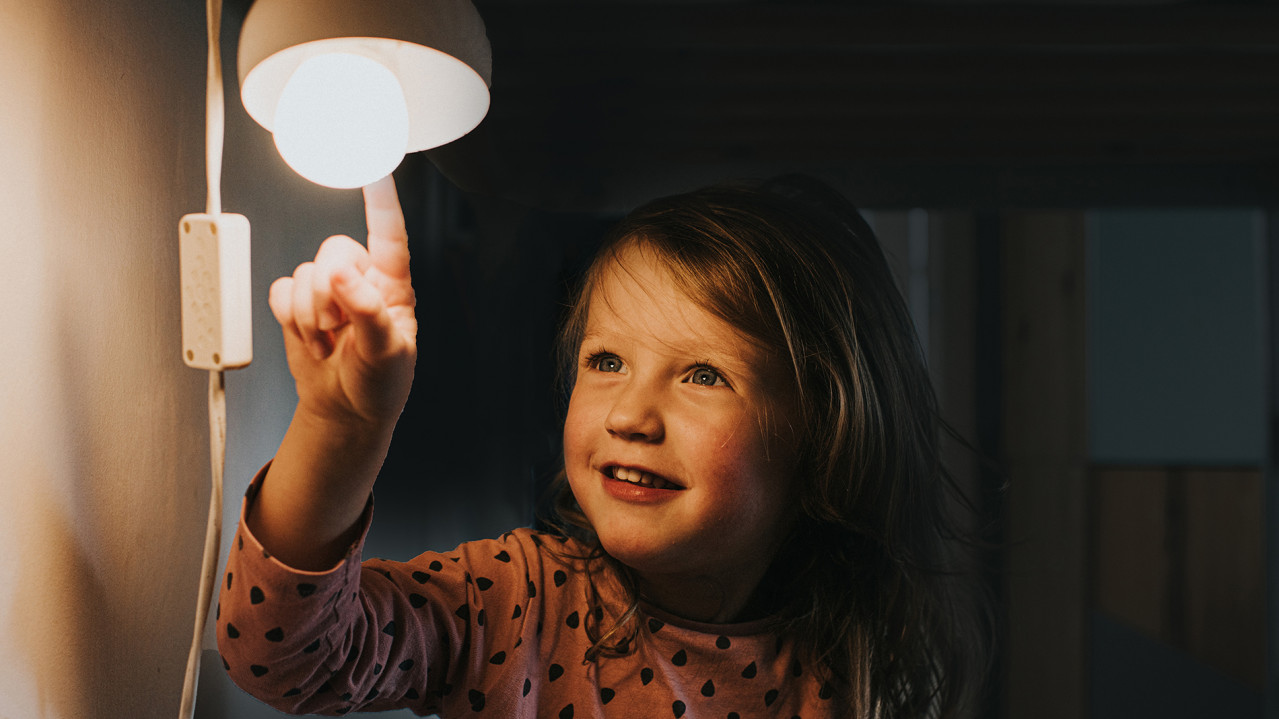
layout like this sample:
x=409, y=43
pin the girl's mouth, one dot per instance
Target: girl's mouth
x=639, y=477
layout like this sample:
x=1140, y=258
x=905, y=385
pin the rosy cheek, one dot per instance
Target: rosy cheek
x=574, y=424
x=577, y=440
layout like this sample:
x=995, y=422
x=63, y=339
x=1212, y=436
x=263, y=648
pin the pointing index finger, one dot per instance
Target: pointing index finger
x=388, y=240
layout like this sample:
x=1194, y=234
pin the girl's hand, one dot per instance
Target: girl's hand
x=350, y=332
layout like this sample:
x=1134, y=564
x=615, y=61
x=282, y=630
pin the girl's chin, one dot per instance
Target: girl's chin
x=644, y=554
x=623, y=545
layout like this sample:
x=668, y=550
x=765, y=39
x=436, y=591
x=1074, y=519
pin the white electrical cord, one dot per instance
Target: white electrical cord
x=215, y=119
x=212, y=538
x=214, y=130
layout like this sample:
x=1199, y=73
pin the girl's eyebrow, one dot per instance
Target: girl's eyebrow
x=593, y=337
x=746, y=356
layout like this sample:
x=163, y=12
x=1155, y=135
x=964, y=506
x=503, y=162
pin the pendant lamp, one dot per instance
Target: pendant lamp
x=348, y=87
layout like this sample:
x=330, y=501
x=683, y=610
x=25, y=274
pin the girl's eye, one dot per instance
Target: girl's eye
x=706, y=377
x=604, y=363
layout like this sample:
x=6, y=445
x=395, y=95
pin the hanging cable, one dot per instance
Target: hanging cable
x=212, y=537
x=214, y=131
x=215, y=112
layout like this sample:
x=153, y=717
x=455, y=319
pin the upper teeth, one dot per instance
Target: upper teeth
x=635, y=476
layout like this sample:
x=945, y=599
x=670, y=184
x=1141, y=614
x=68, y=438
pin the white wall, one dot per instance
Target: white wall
x=103, y=432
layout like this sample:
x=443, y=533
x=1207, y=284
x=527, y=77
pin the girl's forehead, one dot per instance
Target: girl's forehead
x=636, y=296
x=637, y=268
x=636, y=288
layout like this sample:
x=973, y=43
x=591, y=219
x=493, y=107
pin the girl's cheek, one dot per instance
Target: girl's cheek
x=573, y=423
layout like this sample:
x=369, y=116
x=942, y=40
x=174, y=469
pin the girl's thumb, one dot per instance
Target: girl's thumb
x=365, y=311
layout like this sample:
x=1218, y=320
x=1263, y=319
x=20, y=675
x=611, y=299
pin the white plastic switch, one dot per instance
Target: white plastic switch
x=217, y=319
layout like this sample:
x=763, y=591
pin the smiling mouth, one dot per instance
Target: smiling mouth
x=639, y=477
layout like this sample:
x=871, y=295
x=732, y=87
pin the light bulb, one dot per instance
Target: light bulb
x=342, y=120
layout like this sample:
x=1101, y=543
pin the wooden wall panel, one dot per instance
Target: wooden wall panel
x=1225, y=571
x=1129, y=552
x=1178, y=553
x=1044, y=441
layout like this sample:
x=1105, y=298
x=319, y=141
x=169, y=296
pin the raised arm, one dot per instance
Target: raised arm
x=350, y=334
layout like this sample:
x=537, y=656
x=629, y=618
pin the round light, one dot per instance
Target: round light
x=342, y=120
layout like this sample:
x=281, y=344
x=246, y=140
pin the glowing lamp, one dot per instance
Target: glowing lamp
x=347, y=88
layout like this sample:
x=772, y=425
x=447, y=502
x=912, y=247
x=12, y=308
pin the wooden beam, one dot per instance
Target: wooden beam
x=1044, y=441
x=819, y=25
x=595, y=100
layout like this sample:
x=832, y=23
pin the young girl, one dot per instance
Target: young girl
x=751, y=520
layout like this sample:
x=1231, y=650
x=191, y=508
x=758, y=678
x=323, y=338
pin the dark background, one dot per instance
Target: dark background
x=975, y=111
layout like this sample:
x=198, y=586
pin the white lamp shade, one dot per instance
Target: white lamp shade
x=437, y=49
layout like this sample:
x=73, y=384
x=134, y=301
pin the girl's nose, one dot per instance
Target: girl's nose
x=635, y=417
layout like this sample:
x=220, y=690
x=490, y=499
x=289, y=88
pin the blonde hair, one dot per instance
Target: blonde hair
x=883, y=611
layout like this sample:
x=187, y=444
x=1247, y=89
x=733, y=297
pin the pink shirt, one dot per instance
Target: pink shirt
x=493, y=628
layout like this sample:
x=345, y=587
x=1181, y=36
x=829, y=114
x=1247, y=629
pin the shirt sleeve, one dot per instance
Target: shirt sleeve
x=369, y=636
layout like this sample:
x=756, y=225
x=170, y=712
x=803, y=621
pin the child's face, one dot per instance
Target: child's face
x=663, y=442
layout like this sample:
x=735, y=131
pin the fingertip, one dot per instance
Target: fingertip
x=280, y=300
x=387, y=237
x=342, y=249
x=281, y=284
x=380, y=188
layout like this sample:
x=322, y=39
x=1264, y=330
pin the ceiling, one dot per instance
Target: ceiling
x=605, y=102
x=598, y=104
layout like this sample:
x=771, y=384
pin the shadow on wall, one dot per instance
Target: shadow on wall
x=58, y=608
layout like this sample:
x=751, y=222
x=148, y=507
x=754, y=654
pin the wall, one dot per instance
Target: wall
x=103, y=432
x=1175, y=335
x=1177, y=433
